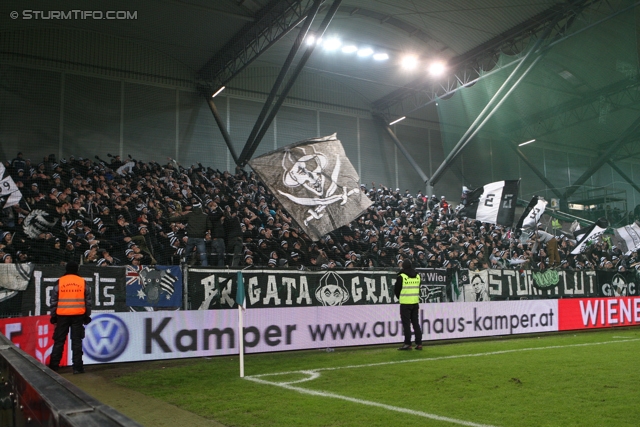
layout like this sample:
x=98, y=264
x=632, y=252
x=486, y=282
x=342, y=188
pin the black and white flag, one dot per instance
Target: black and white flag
x=315, y=182
x=627, y=238
x=494, y=203
x=532, y=213
x=585, y=235
x=9, y=192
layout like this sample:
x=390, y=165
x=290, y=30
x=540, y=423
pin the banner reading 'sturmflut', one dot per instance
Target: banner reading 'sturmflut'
x=315, y=182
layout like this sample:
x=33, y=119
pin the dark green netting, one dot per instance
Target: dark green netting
x=580, y=97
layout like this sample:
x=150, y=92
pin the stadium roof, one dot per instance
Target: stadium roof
x=583, y=98
x=196, y=33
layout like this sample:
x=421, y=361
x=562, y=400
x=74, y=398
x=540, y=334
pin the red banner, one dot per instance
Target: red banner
x=34, y=335
x=588, y=313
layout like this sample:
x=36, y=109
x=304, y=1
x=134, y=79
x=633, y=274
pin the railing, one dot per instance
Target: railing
x=33, y=395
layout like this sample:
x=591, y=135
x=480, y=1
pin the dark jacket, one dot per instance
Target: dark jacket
x=198, y=223
x=232, y=228
x=217, y=231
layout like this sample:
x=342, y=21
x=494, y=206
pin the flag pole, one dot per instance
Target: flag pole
x=240, y=302
x=241, y=338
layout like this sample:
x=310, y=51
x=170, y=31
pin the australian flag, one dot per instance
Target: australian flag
x=159, y=286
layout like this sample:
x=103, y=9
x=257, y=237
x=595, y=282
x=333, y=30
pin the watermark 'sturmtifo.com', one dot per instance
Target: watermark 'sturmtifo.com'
x=75, y=14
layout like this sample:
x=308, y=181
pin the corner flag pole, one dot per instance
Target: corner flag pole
x=241, y=307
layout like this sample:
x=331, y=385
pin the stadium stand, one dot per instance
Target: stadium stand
x=130, y=212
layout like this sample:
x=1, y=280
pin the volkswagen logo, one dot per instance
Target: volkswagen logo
x=106, y=338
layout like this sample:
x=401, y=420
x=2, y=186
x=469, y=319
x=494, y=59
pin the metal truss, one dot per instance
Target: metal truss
x=597, y=104
x=273, y=22
x=630, y=134
x=252, y=144
x=469, y=68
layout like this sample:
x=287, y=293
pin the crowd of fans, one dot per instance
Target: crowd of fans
x=129, y=212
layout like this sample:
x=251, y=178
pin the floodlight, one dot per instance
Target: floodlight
x=364, y=52
x=409, y=62
x=397, y=120
x=349, y=48
x=381, y=56
x=332, y=44
x=527, y=142
x=310, y=40
x=437, y=68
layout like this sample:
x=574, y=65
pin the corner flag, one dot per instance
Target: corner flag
x=242, y=305
x=240, y=292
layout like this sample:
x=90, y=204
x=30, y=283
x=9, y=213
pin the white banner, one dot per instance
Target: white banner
x=630, y=234
x=128, y=337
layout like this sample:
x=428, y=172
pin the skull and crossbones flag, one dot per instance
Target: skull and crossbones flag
x=315, y=182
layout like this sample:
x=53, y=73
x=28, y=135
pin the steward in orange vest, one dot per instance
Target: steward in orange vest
x=70, y=309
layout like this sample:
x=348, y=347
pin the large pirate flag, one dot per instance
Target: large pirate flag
x=315, y=182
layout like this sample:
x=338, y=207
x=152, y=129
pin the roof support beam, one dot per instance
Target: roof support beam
x=242, y=161
x=222, y=127
x=402, y=148
x=630, y=132
x=273, y=22
x=624, y=176
x=464, y=142
x=281, y=76
x=419, y=94
x=535, y=170
x=620, y=95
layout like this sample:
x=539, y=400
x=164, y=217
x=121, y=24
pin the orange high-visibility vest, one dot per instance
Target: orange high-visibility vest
x=71, y=295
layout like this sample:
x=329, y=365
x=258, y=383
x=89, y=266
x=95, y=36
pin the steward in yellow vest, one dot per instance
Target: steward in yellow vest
x=70, y=309
x=407, y=290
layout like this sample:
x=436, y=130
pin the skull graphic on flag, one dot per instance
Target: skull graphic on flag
x=315, y=182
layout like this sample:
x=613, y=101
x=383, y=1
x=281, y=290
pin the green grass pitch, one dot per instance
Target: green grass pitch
x=582, y=379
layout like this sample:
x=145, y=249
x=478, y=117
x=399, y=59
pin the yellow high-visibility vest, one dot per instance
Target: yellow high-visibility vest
x=410, y=293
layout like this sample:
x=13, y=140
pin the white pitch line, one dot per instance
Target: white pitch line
x=429, y=359
x=370, y=403
x=313, y=374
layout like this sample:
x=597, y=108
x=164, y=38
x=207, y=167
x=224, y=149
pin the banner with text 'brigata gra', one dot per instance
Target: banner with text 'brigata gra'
x=216, y=289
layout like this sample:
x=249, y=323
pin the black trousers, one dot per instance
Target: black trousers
x=60, y=336
x=409, y=316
